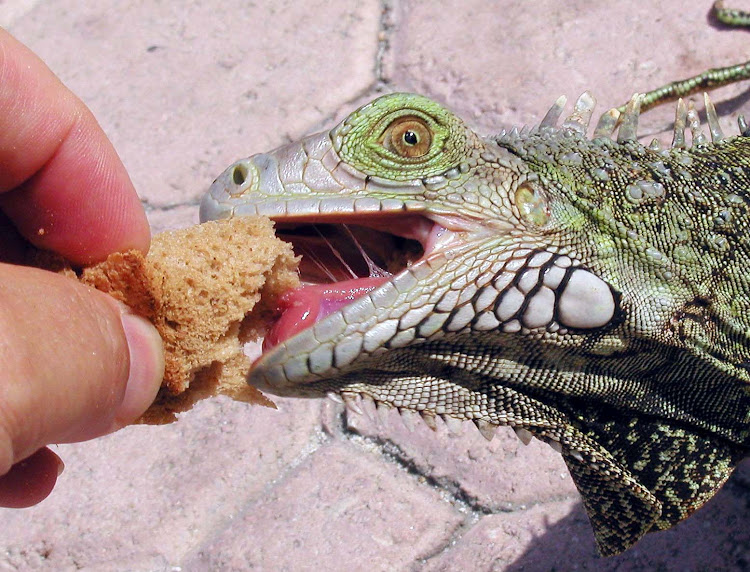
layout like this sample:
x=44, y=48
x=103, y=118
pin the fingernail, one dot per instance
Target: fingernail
x=60, y=465
x=146, y=368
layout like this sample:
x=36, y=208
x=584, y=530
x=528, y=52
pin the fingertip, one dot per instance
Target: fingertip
x=30, y=481
x=48, y=363
x=62, y=183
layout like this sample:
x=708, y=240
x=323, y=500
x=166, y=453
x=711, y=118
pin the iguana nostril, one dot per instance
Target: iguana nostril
x=239, y=174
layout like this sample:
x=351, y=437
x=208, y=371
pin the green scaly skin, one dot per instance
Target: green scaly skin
x=589, y=292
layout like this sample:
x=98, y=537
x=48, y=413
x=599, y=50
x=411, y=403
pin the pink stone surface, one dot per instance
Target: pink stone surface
x=185, y=88
x=363, y=511
x=490, y=476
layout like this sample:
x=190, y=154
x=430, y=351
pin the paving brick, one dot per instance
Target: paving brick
x=496, y=541
x=343, y=509
x=12, y=11
x=159, y=490
x=557, y=536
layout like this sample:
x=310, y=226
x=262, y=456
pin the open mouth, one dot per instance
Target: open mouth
x=343, y=261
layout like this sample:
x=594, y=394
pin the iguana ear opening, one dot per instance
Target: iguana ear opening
x=532, y=204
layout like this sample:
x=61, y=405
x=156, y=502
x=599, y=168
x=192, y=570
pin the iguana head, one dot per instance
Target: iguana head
x=519, y=280
x=413, y=229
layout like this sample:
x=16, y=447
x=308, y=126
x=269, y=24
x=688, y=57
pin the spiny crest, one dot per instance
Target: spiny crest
x=626, y=123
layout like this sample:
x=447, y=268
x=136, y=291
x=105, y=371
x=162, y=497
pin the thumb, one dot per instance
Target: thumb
x=76, y=364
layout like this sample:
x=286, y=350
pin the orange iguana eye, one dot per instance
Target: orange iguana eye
x=408, y=137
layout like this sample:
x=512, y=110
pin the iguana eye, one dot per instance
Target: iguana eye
x=402, y=137
x=408, y=137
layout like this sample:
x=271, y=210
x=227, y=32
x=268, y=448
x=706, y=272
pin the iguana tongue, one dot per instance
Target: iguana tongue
x=302, y=307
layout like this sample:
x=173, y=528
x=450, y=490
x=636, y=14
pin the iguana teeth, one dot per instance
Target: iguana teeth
x=383, y=410
x=335, y=397
x=454, y=425
x=486, y=428
x=429, y=419
x=368, y=406
x=523, y=434
x=742, y=124
x=351, y=403
x=408, y=418
x=556, y=445
x=576, y=454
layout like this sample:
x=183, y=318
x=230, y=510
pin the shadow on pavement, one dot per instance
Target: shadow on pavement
x=717, y=537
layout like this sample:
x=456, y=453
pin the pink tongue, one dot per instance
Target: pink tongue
x=302, y=307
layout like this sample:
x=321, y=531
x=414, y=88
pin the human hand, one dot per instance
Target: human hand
x=75, y=363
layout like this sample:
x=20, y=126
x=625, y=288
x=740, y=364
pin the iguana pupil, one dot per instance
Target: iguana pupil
x=409, y=137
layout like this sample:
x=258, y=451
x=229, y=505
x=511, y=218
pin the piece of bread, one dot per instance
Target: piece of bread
x=208, y=289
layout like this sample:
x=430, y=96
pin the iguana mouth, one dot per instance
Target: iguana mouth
x=343, y=261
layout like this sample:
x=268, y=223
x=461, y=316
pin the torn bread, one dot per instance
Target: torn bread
x=208, y=289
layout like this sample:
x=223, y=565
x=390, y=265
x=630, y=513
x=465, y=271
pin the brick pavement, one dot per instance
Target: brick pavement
x=185, y=88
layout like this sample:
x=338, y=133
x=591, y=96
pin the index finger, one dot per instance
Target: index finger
x=62, y=183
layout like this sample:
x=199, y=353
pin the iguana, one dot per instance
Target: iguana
x=592, y=293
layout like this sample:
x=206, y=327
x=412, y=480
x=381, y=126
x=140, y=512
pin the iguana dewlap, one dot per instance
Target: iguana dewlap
x=593, y=293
